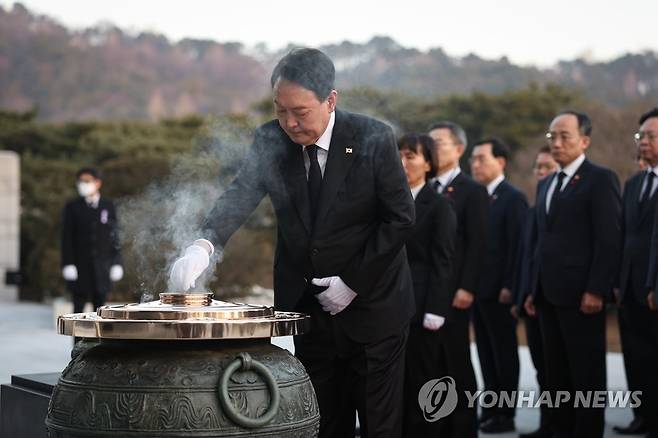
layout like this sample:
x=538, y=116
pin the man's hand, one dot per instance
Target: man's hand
x=70, y=273
x=463, y=299
x=651, y=302
x=337, y=296
x=188, y=268
x=591, y=303
x=433, y=322
x=514, y=311
x=116, y=272
x=505, y=296
x=529, y=306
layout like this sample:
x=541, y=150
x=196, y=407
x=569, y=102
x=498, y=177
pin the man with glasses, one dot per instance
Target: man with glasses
x=470, y=201
x=578, y=236
x=635, y=317
x=643, y=309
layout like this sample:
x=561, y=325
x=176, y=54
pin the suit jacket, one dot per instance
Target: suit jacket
x=578, y=243
x=365, y=214
x=505, y=216
x=637, y=227
x=470, y=201
x=526, y=263
x=652, y=276
x=90, y=241
x=431, y=250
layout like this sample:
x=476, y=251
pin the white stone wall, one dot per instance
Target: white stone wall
x=10, y=189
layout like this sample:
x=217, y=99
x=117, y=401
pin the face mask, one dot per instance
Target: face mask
x=86, y=189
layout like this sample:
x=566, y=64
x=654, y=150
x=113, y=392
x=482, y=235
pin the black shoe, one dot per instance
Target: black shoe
x=539, y=433
x=498, y=425
x=636, y=427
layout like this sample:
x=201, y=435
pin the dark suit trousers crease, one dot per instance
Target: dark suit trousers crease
x=454, y=360
x=638, y=327
x=574, y=349
x=424, y=362
x=495, y=334
x=534, y=338
x=348, y=377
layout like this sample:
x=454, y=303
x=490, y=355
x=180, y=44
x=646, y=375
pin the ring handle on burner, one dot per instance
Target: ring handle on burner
x=245, y=362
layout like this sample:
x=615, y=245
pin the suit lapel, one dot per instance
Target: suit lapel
x=541, y=198
x=342, y=151
x=651, y=203
x=574, y=181
x=294, y=174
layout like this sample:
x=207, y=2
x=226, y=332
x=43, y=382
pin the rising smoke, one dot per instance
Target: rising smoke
x=158, y=224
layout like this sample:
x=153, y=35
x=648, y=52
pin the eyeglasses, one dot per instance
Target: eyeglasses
x=552, y=137
x=650, y=135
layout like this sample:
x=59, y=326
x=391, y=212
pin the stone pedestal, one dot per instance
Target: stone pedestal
x=24, y=405
x=9, y=222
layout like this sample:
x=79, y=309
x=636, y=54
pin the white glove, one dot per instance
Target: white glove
x=70, y=273
x=433, y=322
x=116, y=273
x=337, y=297
x=188, y=268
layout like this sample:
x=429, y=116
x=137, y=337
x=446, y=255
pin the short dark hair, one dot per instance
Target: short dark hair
x=417, y=142
x=456, y=131
x=498, y=147
x=89, y=171
x=310, y=68
x=584, y=122
x=653, y=112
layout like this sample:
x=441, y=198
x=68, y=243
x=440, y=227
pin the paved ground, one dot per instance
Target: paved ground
x=29, y=344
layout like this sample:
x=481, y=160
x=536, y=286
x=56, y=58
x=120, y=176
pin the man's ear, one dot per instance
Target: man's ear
x=332, y=100
x=460, y=149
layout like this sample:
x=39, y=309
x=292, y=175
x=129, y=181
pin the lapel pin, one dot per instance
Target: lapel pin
x=348, y=150
x=450, y=189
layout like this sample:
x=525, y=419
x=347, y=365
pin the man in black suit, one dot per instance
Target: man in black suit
x=526, y=267
x=495, y=327
x=344, y=211
x=578, y=242
x=640, y=305
x=430, y=250
x=470, y=201
x=638, y=215
x=91, y=254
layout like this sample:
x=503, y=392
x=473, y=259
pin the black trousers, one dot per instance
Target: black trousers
x=574, y=348
x=533, y=335
x=452, y=357
x=350, y=377
x=495, y=336
x=638, y=327
x=425, y=361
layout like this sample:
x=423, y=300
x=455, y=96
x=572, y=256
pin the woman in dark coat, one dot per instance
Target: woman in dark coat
x=430, y=252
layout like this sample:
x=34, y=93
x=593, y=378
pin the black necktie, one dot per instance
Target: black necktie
x=436, y=185
x=314, y=179
x=556, y=192
x=647, y=191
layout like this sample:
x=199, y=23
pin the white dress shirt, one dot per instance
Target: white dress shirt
x=653, y=184
x=569, y=171
x=323, y=146
x=93, y=200
x=491, y=187
x=417, y=189
x=446, y=178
